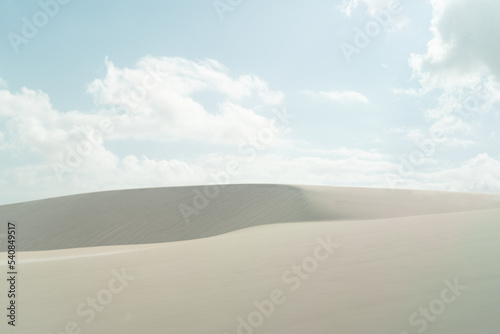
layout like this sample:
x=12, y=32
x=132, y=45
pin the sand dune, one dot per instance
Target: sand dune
x=259, y=259
x=154, y=215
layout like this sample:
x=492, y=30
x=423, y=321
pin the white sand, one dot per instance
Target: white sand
x=397, y=249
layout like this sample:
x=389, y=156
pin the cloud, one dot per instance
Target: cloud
x=175, y=99
x=158, y=100
x=339, y=167
x=348, y=7
x=172, y=99
x=4, y=145
x=390, y=10
x=372, y=6
x=464, y=42
x=105, y=172
x=460, y=69
x=337, y=96
x=344, y=152
x=479, y=174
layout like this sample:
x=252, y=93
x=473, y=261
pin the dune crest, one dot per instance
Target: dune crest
x=143, y=216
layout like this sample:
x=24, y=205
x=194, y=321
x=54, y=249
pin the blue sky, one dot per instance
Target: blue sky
x=393, y=94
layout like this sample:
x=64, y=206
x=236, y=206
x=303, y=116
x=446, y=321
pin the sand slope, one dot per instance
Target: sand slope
x=142, y=216
x=395, y=253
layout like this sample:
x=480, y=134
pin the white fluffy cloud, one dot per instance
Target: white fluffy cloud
x=464, y=43
x=162, y=99
x=461, y=66
x=174, y=99
x=340, y=167
x=157, y=101
x=462, y=57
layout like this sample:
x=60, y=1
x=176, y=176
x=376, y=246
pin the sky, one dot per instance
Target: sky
x=104, y=95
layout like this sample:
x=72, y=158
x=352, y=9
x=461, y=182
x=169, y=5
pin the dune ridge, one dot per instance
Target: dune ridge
x=155, y=215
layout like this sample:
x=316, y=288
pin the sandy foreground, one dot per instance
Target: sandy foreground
x=255, y=259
